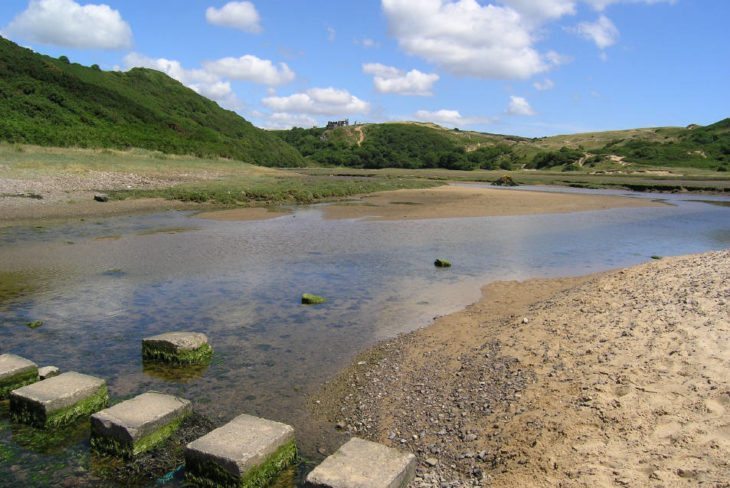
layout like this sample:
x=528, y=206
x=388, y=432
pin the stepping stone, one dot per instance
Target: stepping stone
x=48, y=372
x=177, y=348
x=364, y=464
x=15, y=372
x=59, y=400
x=246, y=452
x=137, y=425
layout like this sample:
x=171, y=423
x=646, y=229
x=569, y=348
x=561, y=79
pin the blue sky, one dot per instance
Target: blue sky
x=526, y=67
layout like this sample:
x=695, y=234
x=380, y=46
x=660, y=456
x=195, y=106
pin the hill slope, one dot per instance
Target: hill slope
x=420, y=145
x=51, y=102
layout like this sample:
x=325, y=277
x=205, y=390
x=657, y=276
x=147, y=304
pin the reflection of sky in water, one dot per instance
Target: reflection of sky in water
x=240, y=282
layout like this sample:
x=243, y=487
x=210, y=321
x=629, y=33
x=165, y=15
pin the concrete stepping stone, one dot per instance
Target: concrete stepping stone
x=139, y=424
x=177, y=348
x=59, y=400
x=246, y=452
x=15, y=372
x=48, y=372
x=364, y=464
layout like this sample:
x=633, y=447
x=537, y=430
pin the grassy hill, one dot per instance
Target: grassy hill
x=424, y=145
x=52, y=102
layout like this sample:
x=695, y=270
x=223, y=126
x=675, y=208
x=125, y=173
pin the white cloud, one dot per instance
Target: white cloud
x=367, y=43
x=388, y=79
x=519, y=106
x=207, y=84
x=466, y=38
x=603, y=32
x=542, y=10
x=238, y=15
x=251, y=68
x=66, y=23
x=331, y=34
x=318, y=101
x=282, y=120
x=601, y=5
x=544, y=85
x=448, y=117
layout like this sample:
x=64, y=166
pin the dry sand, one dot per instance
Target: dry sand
x=461, y=201
x=616, y=379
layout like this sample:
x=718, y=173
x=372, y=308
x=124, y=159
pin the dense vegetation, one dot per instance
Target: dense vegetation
x=53, y=102
x=393, y=146
x=401, y=145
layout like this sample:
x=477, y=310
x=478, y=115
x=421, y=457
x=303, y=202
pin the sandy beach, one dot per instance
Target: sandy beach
x=463, y=201
x=614, y=379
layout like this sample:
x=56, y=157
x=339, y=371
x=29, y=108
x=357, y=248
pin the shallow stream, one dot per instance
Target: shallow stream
x=99, y=286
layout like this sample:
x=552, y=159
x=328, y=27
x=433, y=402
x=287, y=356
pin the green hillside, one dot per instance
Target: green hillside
x=423, y=145
x=52, y=102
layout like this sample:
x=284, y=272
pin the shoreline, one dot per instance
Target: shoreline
x=615, y=378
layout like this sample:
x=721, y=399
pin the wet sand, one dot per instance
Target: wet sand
x=614, y=379
x=460, y=201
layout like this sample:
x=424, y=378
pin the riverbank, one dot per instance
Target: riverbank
x=615, y=379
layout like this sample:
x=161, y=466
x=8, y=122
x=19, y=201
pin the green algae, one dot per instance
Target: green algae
x=310, y=299
x=442, y=263
x=129, y=450
x=31, y=413
x=35, y=324
x=210, y=475
x=17, y=381
x=50, y=441
x=174, y=372
x=171, y=355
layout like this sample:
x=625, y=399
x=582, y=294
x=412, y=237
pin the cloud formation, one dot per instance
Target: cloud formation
x=68, y=24
x=603, y=32
x=448, y=117
x=519, y=106
x=318, y=101
x=388, y=79
x=544, y=85
x=251, y=68
x=237, y=15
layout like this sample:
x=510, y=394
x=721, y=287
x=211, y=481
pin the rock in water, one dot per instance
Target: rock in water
x=101, y=197
x=177, y=348
x=442, y=263
x=309, y=299
x=15, y=372
x=504, y=180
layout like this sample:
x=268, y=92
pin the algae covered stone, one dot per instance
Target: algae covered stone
x=310, y=299
x=364, y=464
x=247, y=452
x=15, y=372
x=177, y=348
x=442, y=263
x=139, y=424
x=59, y=400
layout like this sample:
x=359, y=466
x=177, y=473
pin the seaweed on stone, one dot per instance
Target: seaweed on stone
x=210, y=475
x=170, y=355
x=31, y=413
x=130, y=450
x=163, y=462
x=17, y=381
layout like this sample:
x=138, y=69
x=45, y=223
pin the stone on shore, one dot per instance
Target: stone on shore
x=48, y=372
x=246, y=452
x=442, y=263
x=15, y=372
x=177, y=348
x=101, y=197
x=364, y=464
x=139, y=424
x=310, y=299
x=59, y=400
x=504, y=180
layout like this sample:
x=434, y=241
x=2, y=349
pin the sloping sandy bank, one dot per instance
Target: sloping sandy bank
x=616, y=379
x=461, y=201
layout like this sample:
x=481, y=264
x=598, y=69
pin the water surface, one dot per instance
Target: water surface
x=101, y=285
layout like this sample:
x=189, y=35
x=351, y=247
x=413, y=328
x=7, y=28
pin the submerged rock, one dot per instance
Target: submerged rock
x=101, y=197
x=442, y=263
x=309, y=299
